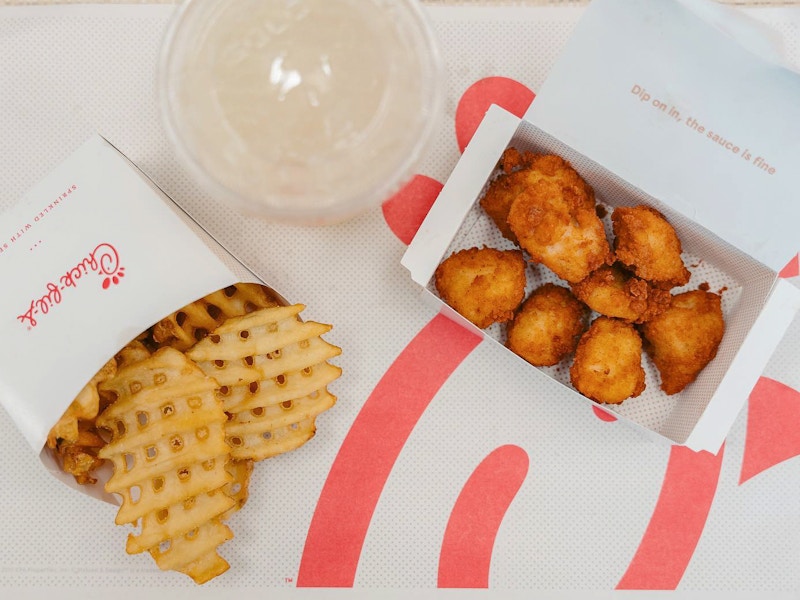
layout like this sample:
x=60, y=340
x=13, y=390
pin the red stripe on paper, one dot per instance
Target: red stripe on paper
x=677, y=521
x=469, y=538
x=603, y=415
x=792, y=268
x=406, y=210
x=510, y=94
x=357, y=477
x=773, y=427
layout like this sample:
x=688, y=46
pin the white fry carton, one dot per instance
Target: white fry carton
x=654, y=105
x=92, y=256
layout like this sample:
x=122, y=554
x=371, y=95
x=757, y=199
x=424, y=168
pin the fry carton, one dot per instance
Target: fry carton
x=653, y=104
x=93, y=255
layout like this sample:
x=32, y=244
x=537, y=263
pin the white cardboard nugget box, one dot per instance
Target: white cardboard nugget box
x=654, y=104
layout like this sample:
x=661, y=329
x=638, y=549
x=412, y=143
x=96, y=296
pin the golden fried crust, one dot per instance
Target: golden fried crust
x=685, y=338
x=547, y=327
x=554, y=220
x=515, y=176
x=608, y=362
x=485, y=285
x=512, y=160
x=498, y=199
x=647, y=244
x=614, y=292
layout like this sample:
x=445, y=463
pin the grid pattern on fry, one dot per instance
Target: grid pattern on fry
x=273, y=374
x=169, y=453
x=185, y=327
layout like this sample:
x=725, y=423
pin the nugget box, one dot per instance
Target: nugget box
x=657, y=104
x=92, y=256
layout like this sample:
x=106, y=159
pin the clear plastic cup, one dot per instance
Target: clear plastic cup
x=300, y=111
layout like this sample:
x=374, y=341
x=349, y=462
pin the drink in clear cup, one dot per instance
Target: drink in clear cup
x=303, y=111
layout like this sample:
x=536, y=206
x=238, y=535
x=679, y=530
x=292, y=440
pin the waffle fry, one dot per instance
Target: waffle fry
x=273, y=374
x=79, y=458
x=169, y=454
x=85, y=407
x=170, y=425
x=132, y=353
x=238, y=488
x=74, y=438
x=184, y=328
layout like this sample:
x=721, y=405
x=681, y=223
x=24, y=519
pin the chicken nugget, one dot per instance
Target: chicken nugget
x=506, y=187
x=485, y=285
x=613, y=291
x=512, y=160
x=647, y=244
x=547, y=327
x=498, y=199
x=608, y=362
x=684, y=339
x=555, y=221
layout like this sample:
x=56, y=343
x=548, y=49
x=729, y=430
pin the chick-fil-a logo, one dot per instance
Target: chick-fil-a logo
x=103, y=260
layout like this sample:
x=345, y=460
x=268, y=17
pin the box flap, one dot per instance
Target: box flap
x=748, y=365
x=674, y=105
x=454, y=201
x=89, y=258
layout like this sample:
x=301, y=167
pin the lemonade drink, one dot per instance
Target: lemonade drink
x=302, y=110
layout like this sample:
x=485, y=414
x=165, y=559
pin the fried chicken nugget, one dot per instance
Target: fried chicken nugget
x=504, y=189
x=684, y=339
x=614, y=292
x=647, y=244
x=555, y=221
x=608, y=362
x=485, y=285
x=547, y=327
